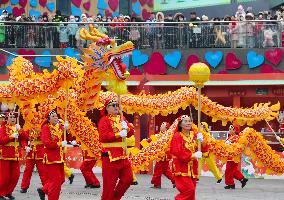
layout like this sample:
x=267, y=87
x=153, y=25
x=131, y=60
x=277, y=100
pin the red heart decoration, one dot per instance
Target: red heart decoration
x=77, y=3
x=87, y=5
x=4, y=1
x=142, y=2
x=223, y=72
x=108, y=13
x=113, y=4
x=135, y=72
x=23, y=3
x=274, y=56
x=18, y=11
x=43, y=3
x=27, y=52
x=150, y=3
x=191, y=60
x=156, y=64
x=266, y=68
x=3, y=59
x=232, y=62
x=145, y=14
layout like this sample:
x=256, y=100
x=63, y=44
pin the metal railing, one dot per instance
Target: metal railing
x=165, y=35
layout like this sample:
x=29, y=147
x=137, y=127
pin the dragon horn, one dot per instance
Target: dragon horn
x=84, y=34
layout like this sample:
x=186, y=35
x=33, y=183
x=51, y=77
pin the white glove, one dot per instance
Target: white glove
x=66, y=125
x=200, y=137
x=198, y=154
x=124, y=125
x=123, y=133
x=278, y=138
x=28, y=149
x=64, y=143
x=228, y=142
x=15, y=135
x=74, y=142
x=18, y=127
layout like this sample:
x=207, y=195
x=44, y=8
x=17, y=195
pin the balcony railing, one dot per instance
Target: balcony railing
x=177, y=35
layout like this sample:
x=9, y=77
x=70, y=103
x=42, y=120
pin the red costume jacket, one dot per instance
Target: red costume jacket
x=86, y=156
x=10, y=149
x=233, y=139
x=52, y=136
x=109, y=128
x=182, y=148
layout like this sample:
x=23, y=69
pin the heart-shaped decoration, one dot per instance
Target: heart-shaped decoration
x=43, y=3
x=10, y=59
x=145, y=14
x=33, y=3
x=27, y=52
x=156, y=64
x=173, y=59
x=87, y=5
x=14, y=2
x=254, y=60
x=214, y=58
x=113, y=4
x=135, y=71
x=232, y=62
x=44, y=61
x=77, y=3
x=101, y=5
x=72, y=53
x=35, y=13
x=274, y=56
x=18, y=11
x=191, y=60
x=143, y=2
x=138, y=58
x=4, y=1
x=23, y=3
x=266, y=68
x=76, y=11
x=3, y=59
x=150, y=3
x=223, y=72
x=50, y=6
x=108, y=13
x=136, y=8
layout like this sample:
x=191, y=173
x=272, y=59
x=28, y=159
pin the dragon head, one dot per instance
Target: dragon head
x=105, y=53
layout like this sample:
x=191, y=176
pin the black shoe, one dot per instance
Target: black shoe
x=71, y=178
x=230, y=187
x=174, y=185
x=219, y=181
x=94, y=186
x=9, y=196
x=41, y=194
x=23, y=190
x=2, y=198
x=156, y=187
x=134, y=183
x=87, y=185
x=244, y=182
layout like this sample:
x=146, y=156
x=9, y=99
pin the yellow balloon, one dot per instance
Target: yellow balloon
x=199, y=73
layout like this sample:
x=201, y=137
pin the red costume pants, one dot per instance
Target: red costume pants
x=55, y=178
x=232, y=171
x=186, y=186
x=112, y=171
x=9, y=176
x=87, y=171
x=30, y=163
x=162, y=167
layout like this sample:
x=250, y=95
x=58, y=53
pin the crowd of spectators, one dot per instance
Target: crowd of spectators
x=237, y=30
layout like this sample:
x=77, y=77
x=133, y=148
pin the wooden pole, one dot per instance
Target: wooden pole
x=65, y=112
x=199, y=115
x=274, y=132
x=121, y=119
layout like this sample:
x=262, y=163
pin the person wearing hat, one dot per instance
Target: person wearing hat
x=184, y=149
x=232, y=166
x=116, y=168
x=52, y=136
x=209, y=159
x=12, y=138
x=34, y=157
x=162, y=166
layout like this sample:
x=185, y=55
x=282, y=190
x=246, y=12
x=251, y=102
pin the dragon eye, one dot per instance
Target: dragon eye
x=109, y=47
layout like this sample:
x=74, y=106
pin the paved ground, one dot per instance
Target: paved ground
x=257, y=189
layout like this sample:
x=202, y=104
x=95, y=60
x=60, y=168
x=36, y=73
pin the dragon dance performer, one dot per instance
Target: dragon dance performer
x=115, y=164
x=162, y=166
x=185, y=154
x=232, y=167
x=52, y=136
x=209, y=159
x=11, y=137
x=34, y=157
